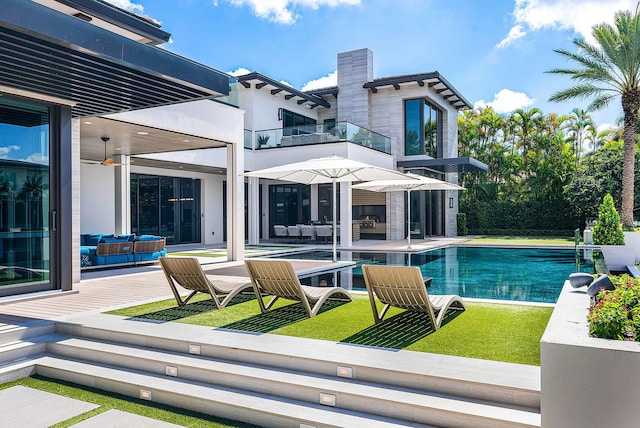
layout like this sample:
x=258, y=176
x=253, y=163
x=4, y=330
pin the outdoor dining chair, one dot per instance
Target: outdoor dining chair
x=404, y=287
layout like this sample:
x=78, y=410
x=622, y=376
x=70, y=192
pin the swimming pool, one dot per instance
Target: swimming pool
x=519, y=274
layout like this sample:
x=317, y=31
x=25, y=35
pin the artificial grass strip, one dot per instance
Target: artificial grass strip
x=500, y=332
x=521, y=240
x=109, y=400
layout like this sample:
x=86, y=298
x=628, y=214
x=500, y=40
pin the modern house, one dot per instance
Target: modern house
x=104, y=131
x=71, y=72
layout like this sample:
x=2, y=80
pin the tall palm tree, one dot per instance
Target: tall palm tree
x=605, y=70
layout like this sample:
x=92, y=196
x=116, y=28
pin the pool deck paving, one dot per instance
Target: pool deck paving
x=116, y=288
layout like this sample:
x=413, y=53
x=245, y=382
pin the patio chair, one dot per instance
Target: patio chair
x=187, y=272
x=323, y=231
x=404, y=287
x=307, y=231
x=278, y=279
x=280, y=231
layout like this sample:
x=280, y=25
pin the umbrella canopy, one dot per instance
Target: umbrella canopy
x=409, y=183
x=330, y=169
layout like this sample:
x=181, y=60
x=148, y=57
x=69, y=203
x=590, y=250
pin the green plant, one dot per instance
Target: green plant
x=616, y=315
x=461, y=219
x=608, y=229
x=263, y=140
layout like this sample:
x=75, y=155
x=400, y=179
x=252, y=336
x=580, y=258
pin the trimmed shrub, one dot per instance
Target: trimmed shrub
x=521, y=218
x=461, y=219
x=608, y=229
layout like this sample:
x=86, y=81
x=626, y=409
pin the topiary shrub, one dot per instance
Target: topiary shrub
x=461, y=219
x=608, y=229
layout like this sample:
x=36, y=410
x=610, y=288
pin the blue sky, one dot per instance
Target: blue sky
x=494, y=52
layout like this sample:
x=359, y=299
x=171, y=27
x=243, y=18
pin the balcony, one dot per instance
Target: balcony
x=306, y=135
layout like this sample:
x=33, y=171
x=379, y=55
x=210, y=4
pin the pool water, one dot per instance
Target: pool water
x=531, y=275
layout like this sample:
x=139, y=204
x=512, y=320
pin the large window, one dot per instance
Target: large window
x=423, y=129
x=295, y=124
x=166, y=206
x=24, y=196
x=289, y=204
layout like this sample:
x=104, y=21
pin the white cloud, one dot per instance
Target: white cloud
x=578, y=16
x=324, y=82
x=38, y=158
x=506, y=101
x=136, y=8
x=515, y=33
x=283, y=11
x=127, y=5
x=5, y=150
x=241, y=71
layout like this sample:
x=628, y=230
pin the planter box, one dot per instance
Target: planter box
x=617, y=257
x=586, y=382
x=632, y=239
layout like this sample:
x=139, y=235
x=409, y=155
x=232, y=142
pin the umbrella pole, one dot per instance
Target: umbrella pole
x=335, y=228
x=409, y=219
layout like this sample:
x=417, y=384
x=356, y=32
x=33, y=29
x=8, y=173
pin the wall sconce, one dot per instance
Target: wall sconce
x=145, y=394
x=280, y=114
x=450, y=202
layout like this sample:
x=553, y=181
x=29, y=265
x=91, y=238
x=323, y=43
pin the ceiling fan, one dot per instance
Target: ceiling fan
x=107, y=161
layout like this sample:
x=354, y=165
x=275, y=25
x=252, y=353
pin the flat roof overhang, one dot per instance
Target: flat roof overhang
x=43, y=51
x=445, y=165
x=433, y=80
x=276, y=88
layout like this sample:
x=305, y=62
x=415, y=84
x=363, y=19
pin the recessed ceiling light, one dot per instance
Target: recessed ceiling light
x=142, y=133
x=186, y=141
x=118, y=148
x=88, y=123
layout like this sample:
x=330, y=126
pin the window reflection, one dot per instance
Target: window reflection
x=24, y=194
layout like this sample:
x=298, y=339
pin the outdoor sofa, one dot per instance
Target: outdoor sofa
x=102, y=250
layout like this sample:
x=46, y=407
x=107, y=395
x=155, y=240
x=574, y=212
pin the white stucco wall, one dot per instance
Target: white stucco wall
x=97, y=199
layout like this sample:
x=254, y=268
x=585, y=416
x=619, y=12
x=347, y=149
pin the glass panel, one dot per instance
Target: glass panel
x=413, y=127
x=148, y=212
x=24, y=196
x=189, y=211
x=169, y=204
x=325, y=202
x=289, y=204
x=431, y=131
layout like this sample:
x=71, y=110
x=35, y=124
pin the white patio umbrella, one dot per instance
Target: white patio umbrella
x=330, y=169
x=410, y=182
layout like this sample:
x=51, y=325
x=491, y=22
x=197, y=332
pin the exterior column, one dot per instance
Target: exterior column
x=254, y=210
x=235, y=199
x=122, y=176
x=346, y=211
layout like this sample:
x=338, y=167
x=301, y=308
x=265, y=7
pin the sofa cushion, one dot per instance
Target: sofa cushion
x=148, y=238
x=129, y=237
x=91, y=238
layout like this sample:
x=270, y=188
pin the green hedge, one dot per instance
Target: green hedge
x=528, y=218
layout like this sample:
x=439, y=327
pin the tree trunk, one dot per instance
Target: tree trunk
x=630, y=104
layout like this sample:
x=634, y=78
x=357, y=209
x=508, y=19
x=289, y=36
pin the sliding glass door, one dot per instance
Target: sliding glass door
x=166, y=206
x=24, y=197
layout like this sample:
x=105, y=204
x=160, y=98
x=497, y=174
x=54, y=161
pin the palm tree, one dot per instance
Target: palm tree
x=581, y=130
x=605, y=70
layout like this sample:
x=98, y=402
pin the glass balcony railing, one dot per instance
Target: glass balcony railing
x=321, y=134
x=248, y=139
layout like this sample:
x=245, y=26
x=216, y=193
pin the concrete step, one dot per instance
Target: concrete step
x=380, y=399
x=10, y=333
x=502, y=383
x=255, y=408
